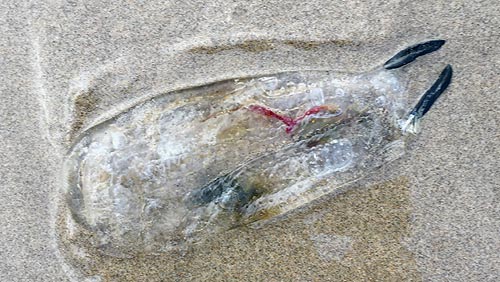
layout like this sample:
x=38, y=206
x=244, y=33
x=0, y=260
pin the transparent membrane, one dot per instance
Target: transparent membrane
x=201, y=161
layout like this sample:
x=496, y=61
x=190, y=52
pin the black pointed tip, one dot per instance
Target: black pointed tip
x=409, y=54
x=431, y=95
x=438, y=43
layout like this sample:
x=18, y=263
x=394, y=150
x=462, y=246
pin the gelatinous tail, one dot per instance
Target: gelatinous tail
x=427, y=100
x=409, y=54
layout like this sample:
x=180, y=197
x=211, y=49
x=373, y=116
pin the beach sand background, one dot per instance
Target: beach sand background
x=434, y=217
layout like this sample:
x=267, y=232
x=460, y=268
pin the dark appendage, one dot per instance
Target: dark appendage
x=431, y=95
x=409, y=54
x=211, y=191
x=226, y=192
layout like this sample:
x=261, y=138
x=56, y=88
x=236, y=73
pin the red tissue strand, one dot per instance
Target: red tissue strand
x=290, y=122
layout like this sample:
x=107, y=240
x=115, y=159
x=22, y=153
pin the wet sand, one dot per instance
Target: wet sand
x=435, y=217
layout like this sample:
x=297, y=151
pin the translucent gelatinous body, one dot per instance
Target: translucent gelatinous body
x=204, y=160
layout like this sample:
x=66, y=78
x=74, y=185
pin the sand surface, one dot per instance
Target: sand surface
x=435, y=217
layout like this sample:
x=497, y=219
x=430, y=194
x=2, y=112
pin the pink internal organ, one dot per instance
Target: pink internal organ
x=291, y=123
